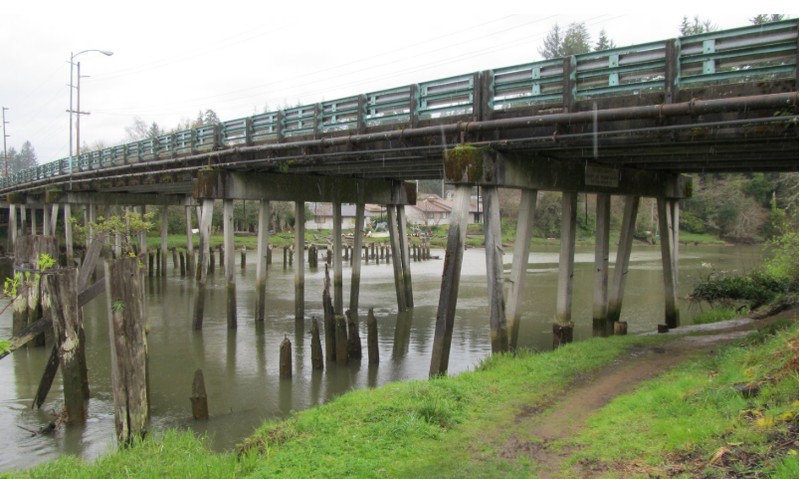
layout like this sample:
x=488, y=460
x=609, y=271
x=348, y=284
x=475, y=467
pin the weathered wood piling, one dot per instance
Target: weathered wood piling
x=128, y=348
x=286, y=358
x=199, y=398
x=372, y=338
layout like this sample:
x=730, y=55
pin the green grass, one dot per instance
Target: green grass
x=718, y=314
x=686, y=418
x=458, y=426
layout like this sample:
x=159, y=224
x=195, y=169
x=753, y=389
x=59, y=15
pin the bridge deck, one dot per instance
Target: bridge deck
x=720, y=101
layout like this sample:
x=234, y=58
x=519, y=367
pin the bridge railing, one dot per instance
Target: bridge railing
x=747, y=54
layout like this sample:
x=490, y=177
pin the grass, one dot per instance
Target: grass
x=718, y=314
x=457, y=426
x=696, y=421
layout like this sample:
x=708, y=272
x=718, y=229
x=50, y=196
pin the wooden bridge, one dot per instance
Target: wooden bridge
x=627, y=121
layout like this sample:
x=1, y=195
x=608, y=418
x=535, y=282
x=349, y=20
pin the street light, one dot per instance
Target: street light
x=72, y=57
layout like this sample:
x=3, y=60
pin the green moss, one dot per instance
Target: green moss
x=464, y=164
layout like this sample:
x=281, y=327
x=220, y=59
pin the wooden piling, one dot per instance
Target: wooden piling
x=329, y=319
x=128, y=348
x=299, y=270
x=175, y=258
x=262, y=259
x=183, y=264
x=666, y=225
x=203, y=262
x=566, y=265
x=372, y=338
x=397, y=262
x=494, y=270
x=316, y=345
x=227, y=253
x=627, y=230
x=620, y=328
x=243, y=260
x=338, y=283
x=164, y=233
x=519, y=266
x=341, y=340
x=600, y=324
x=353, y=337
x=355, y=271
x=199, y=398
x=451, y=276
x=60, y=301
x=286, y=358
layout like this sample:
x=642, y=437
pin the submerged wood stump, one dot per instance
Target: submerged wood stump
x=286, y=358
x=128, y=348
x=199, y=398
x=620, y=328
x=329, y=320
x=60, y=300
x=353, y=338
x=372, y=338
x=316, y=345
x=562, y=334
x=341, y=341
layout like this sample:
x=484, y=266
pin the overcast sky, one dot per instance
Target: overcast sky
x=173, y=59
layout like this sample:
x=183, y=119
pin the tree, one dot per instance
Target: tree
x=696, y=26
x=575, y=40
x=603, y=42
x=763, y=18
x=25, y=158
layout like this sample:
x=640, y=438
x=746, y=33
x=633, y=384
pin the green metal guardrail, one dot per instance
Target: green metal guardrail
x=740, y=55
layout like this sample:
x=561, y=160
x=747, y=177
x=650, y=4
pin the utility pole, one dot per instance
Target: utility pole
x=5, y=153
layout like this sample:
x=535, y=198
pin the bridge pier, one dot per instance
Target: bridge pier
x=355, y=273
x=190, y=262
x=519, y=268
x=600, y=326
x=299, y=267
x=67, y=231
x=230, y=261
x=668, y=228
x=338, y=294
x=164, y=233
x=627, y=230
x=494, y=269
x=204, y=256
x=262, y=247
x=562, y=328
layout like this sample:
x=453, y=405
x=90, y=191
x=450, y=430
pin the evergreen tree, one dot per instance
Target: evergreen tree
x=763, y=18
x=696, y=26
x=603, y=42
x=575, y=40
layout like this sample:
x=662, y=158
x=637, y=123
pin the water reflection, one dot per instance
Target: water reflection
x=241, y=366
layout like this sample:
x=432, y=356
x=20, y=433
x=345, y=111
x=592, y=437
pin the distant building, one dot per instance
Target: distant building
x=430, y=210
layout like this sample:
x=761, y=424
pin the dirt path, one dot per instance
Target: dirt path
x=563, y=419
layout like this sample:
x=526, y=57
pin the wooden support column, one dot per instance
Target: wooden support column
x=54, y=218
x=262, y=247
x=46, y=231
x=404, y=254
x=299, y=271
x=519, y=267
x=128, y=348
x=494, y=269
x=89, y=221
x=164, y=233
x=190, y=264
x=203, y=260
x=338, y=295
x=600, y=325
x=563, y=326
x=142, y=210
x=23, y=221
x=60, y=302
x=355, y=273
x=12, y=228
x=397, y=261
x=230, y=261
x=451, y=276
x=33, y=221
x=67, y=233
x=623, y=258
x=667, y=240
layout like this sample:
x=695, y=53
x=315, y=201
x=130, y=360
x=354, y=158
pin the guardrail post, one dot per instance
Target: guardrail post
x=672, y=75
x=486, y=96
x=413, y=106
x=570, y=83
x=279, y=127
x=361, y=115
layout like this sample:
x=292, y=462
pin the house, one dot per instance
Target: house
x=430, y=210
x=322, y=216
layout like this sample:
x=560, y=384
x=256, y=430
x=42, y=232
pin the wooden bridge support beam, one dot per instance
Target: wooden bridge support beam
x=164, y=233
x=666, y=224
x=397, y=262
x=600, y=325
x=355, y=273
x=67, y=233
x=33, y=221
x=91, y=217
x=299, y=271
x=494, y=269
x=23, y=212
x=622, y=259
x=11, y=241
x=46, y=231
x=451, y=276
x=338, y=295
x=562, y=328
x=519, y=267
x=230, y=261
x=404, y=253
x=204, y=256
x=190, y=263
x=262, y=247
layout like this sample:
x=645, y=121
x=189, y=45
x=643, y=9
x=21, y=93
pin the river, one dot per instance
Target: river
x=241, y=366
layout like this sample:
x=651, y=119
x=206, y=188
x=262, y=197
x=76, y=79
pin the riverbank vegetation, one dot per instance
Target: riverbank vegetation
x=729, y=414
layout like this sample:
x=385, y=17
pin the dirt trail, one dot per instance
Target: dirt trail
x=566, y=417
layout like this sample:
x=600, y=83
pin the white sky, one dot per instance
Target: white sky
x=172, y=59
